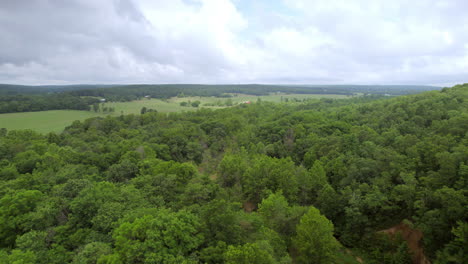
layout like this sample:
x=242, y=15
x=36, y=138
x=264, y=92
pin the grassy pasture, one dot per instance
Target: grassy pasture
x=134, y=107
x=238, y=98
x=173, y=104
x=57, y=120
x=44, y=121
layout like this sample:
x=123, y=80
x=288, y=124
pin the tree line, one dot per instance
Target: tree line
x=17, y=98
x=43, y=102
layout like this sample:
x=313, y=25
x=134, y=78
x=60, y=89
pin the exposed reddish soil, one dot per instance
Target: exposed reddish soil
x=413, y=238
x=249, y=207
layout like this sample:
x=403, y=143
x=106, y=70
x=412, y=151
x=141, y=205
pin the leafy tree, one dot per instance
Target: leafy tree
x=101, y=205
x=26, y=161
x=92, y=252
x=122, y=171
x=314, y=240
x=14, y=214
x=232, y=169
x=18, y=257
x=456, y=250
x=275, y=210
x=272, y=174
x=248, y=253
x=195, y=103
x=166, y=237
x=95, y=107
x=221, y=222
x=311, y=183
x=329, y=202
x=213, y=254
x=388, y=249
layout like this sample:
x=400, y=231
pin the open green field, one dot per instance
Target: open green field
x=278, y=97
x=134, y=107
x=44, y=121
x=57, y=120
x=173, y=104
x=239, y=98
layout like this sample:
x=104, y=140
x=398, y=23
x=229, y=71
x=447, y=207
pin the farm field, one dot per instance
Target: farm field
x=165, y=106
x=57, y=120
x=44, y=121
x=281, y=96
x=173, y=104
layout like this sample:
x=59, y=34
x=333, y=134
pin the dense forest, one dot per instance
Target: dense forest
x=17, y=98
x=39, y=102
x=132, y=92
x=313, y=182
x=13, y=89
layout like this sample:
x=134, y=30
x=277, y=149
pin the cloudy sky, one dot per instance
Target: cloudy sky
x=234, y=41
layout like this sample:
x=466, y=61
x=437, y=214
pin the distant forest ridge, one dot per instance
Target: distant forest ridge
x=255, y=89
x=20, y=98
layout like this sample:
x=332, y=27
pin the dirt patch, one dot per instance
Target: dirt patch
x=413, y=238
x=249, y=207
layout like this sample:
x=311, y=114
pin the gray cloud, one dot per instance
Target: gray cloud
x=233, y=41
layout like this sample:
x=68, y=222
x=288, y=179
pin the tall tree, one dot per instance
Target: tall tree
x=314, y=240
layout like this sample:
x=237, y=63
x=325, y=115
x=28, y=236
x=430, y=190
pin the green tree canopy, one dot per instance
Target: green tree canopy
x=314, y=240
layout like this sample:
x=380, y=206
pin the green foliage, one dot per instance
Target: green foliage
x=27, y=103
x=102, y=205
x=92, y=252
x=122, y=171
x=266, y=173
x=456, y=251
x=248, y=253
x=240, y=185
x=15, y=213
x=195, y=104
x=18, y=257
x=275, y=210
x=166, y=237
x=279, y=215
x=26, y=161
x=314, y=240
x=221, y=222
x=388, y=249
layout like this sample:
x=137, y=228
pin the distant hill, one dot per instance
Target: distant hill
x=13, y=89
x=21, y=98
x=169, y=90
x=378, y=89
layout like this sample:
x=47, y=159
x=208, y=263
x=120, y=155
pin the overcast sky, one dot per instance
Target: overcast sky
x=234, y=41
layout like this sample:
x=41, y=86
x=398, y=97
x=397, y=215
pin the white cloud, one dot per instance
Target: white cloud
x=234, y=41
